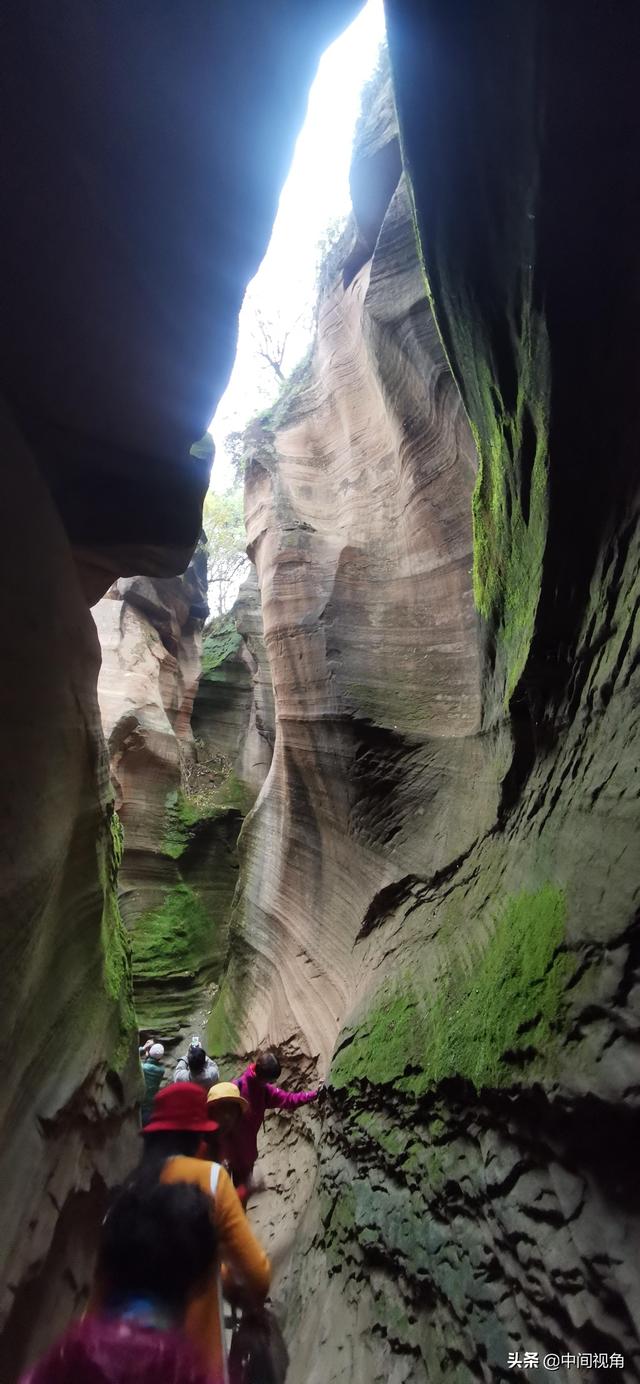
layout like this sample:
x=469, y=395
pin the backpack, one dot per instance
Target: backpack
x=257, y=1354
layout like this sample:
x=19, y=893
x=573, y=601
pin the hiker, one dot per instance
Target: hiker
x=255, y=1085
x=153, y=1072
x=157, y=1248
x=173, y=1144
x=228, y=1107
x=197, y=1067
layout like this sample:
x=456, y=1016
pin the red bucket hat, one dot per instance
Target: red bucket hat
x=183, y=1106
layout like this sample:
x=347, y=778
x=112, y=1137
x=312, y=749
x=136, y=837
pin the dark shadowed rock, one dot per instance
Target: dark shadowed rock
x=143, y=196
x=70, y=1077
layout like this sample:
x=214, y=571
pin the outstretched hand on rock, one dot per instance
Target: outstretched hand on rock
x=323, y=1093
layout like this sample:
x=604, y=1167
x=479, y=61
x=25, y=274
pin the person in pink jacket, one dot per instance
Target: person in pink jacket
x=255, y=1084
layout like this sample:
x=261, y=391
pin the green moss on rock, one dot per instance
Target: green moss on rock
x=219, y=644
x=116, y=953
x=510, y=502
x=506, y=1007
x=224, y=1029
x=174, y=939
x=185, y=815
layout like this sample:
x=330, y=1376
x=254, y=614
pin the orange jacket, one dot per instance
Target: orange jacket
x=238, y=1250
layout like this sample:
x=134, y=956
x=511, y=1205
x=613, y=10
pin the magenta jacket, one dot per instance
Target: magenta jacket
x=115, y=1352
x=241, y=1147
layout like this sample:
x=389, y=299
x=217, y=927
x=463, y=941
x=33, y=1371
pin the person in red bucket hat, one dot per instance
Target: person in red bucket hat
x=176, y=1108
x=175, y=1142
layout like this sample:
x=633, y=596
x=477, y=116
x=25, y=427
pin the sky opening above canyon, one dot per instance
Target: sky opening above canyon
x=315, y=197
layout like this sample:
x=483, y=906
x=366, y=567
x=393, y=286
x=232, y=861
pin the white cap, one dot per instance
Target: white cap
x=156, y=1050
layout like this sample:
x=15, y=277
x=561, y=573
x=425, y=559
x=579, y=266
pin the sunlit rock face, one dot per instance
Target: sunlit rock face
x=150, y=637
x=437, y=886
x=359, y=522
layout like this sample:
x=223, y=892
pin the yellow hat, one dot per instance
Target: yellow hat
x=226, y=1090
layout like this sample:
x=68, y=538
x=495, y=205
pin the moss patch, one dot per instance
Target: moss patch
x=223, y=1029
x=510, y=502
x=116, y=953
x=174, y=939
x=493, y=330
x=502, y=1012
x=225, y=1023
x=219, y=644
x=185, y=815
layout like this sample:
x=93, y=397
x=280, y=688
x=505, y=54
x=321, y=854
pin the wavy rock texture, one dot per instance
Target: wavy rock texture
x=136, y=226
x=233, y=713
x=179, y=798
x=358, y=515
x=437, y=880
x=150, y=636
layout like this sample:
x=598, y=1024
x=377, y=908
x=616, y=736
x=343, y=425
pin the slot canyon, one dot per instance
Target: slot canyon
x=382, y=816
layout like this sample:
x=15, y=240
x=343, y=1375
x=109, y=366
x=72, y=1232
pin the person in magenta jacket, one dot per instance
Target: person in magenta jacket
x=255, y=1084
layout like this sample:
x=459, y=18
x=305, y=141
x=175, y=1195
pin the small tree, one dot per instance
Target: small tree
x=235, y=447
x=223, y=523
x=273, y=341
x=270, y=341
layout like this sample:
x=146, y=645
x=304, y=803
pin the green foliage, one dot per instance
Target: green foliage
x=235, y=448
x=223, y=524
x=504, y=1009
x=223, y=1029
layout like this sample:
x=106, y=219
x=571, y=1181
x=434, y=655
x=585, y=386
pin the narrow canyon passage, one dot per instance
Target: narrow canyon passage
x=376, y=810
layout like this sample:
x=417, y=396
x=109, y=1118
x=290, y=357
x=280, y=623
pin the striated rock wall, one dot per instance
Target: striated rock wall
x=179, y=798
x=358, y=518
x=438, y=886
x=233, y=713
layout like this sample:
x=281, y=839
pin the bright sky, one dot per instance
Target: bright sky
x=315, y=194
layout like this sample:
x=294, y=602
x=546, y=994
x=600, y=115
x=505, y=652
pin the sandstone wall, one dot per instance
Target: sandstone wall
x=437, y=892
x=233, y=713
x=359, y=521
x=142, y=196
x=179, y=796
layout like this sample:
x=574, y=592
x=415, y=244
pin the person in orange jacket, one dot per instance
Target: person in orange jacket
x=174, y=1141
